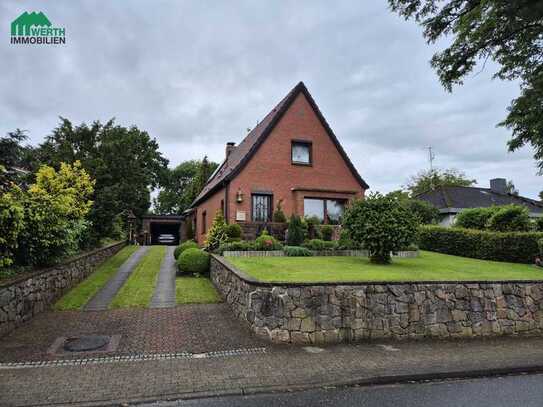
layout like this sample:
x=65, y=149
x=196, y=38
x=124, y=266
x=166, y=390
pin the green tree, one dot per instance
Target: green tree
x=217, y=233
x=125, y=162
x=181, y=186
x=380, y=224
x=507, y=32
x=11, y=224
x=54, y=214
x=429, y=180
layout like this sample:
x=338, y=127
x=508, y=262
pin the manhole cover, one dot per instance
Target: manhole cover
x=85, y=343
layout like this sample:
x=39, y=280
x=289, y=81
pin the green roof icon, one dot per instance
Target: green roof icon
x=21, y=25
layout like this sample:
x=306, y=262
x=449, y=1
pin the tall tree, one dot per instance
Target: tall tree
x=431, y=179
x=509, y=32
x=125, y=162
x=182, y=185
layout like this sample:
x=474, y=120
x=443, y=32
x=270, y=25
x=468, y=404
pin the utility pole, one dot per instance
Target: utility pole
x=431, y=157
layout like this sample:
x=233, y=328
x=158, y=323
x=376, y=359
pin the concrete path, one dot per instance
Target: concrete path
x=164, y=296
x=103, y=298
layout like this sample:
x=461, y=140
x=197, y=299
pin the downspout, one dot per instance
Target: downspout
x=226, y=202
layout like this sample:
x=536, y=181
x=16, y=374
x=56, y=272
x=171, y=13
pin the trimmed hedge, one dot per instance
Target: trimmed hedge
x=297, y=251
x=189, y=244
x=193, y=261
x=240, y=245
x=516, y=247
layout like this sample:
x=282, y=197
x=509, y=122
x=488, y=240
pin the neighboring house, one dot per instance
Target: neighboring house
x=292, y=157
x=451, y=200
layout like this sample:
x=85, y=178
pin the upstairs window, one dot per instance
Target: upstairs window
x=301, y=152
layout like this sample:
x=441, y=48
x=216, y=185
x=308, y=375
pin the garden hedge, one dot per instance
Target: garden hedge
x=516, y=247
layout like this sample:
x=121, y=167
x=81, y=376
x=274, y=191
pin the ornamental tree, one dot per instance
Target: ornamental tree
x=380, y=224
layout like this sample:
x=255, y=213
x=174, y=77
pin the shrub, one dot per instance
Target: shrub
x=538, y=223
x=217, y=232
x=330, y=245
x=313, y=230
x=193, y=261
x=55, y=207
x=517, y=247
x=188, y=244
x=510, y=218
x=345, y=242
x=233, y=231
x=381, y=224
x=327, y=232
x=297, y=251
x=474, y=218
x=240, y=245
x=267, y=242
x=315, y=244
x=11, y=224
x=423, y=211
x=295, y=232
x=278, y=214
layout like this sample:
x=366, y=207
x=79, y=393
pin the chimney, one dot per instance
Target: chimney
x=498, y=185
x=230, y=146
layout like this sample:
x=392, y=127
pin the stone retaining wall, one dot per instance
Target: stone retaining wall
x=27, y=295
x=331, y=313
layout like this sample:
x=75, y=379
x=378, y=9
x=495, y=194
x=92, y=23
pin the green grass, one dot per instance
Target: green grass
x=428, y=266
x=140, y=286
x=78, y=296
x=195, y=290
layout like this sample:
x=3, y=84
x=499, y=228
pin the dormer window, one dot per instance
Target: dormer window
x=301, y=152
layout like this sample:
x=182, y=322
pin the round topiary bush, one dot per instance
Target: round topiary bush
x=189, y=244
x=193, y=261
x=381, y=224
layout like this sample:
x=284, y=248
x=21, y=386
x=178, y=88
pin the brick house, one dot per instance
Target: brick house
x=291, y=157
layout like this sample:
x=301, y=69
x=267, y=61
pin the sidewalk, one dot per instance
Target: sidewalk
x=276, y=369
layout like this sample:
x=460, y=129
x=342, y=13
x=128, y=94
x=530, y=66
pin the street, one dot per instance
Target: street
x=522, y=391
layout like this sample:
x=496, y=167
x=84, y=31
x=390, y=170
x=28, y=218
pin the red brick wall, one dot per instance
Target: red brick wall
x=210, y=206
x=271, y=168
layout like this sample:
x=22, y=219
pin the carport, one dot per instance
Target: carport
x=161, y=229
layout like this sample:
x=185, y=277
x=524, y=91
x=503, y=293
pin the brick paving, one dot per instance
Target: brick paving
x=164, y=295
x=103, y=298
x=188, y=328
x=280, y=368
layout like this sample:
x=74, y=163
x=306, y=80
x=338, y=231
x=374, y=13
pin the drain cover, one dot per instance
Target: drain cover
x=85, y=343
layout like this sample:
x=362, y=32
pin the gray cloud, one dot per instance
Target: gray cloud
x=197, y=74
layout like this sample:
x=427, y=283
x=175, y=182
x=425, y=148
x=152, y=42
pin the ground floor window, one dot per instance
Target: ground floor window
x=326, y=210
x=261, y=208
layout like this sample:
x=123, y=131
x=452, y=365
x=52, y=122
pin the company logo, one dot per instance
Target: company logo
x=35, y=28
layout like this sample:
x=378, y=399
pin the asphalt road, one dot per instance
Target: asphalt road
x=520, y=391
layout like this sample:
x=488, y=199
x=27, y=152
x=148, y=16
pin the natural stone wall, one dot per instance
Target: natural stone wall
x=25, y=296
x=331, y=313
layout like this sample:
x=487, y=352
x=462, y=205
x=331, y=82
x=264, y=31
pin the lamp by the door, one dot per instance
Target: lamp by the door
x=239, y=196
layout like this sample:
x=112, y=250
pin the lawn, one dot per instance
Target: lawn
x=195, y=290
x=78, y=296
x=140, y=286
x=428, y=266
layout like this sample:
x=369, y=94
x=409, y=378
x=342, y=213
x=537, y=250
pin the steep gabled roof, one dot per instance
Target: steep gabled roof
x=241, y=154
x=474, y=197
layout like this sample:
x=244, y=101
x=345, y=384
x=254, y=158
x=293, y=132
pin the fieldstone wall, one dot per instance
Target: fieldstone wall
x=27, y=295
x=332, y=313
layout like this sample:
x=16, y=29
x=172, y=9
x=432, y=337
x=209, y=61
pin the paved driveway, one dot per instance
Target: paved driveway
x=185, y=328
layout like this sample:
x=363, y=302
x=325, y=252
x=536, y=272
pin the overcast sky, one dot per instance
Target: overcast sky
x=196, y=74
